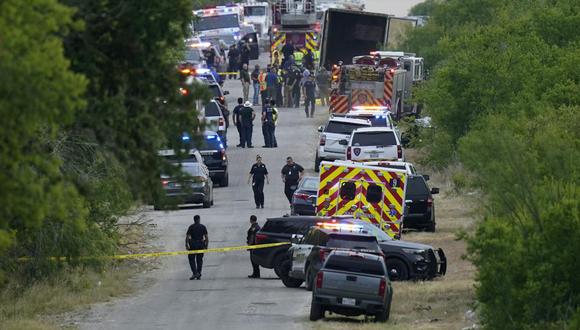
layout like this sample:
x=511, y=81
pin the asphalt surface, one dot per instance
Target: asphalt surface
x=225, y=298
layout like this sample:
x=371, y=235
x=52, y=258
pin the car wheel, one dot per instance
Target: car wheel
x=431, y=227
x=288, y=281
x=206, y=204
x=225, y=181
x=278, y=261
x=397, y=270
x=385, y=314
x=316, y=311
x=317, y=164
x=309, y=278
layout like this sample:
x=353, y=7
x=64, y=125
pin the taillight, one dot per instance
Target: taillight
x=348, y=153
x=382, y=287
x=323, y=140
x=221, y=122
x=164, y=182
x=260, y=238
x=322, y=254
x=429, y=202
x=223, y=153
x=303, y=197
x=319, y=278
x=399, y=152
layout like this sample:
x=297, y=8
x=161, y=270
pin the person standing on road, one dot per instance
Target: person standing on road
x=247, y=116
x=263, y=85
x=296, y=75
x=291, y=174
x=256, y=84
x=323, y=82
x=309, y=87
x=258, y=173
x=251, y=240
x=246, y=81
x=196, y=239
x=268, y=125
x=244, y=53
x=272, y=83
x=237, y=119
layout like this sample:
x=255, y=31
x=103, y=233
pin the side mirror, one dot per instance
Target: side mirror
x=320, y=128
x=296, y=238
x=427, y=177
x=226, y=92
x=343, y=142
x=434, y=191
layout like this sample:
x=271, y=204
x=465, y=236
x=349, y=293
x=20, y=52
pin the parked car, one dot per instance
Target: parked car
x=218, y=93
x=309, y=255
x=373, y=143
x=215, y=158
x=187, y=156
x=352, y=283
x=408, y=167
x=192, y=186
x=376, y=118
x=420, y=204
x=214, y=118
x=337, y=129
x=304, y=198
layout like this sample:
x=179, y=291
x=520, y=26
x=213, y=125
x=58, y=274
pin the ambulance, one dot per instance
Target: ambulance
x=370, y=193
x=219, y=23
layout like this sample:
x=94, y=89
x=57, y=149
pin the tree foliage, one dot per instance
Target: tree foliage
x=504, y=98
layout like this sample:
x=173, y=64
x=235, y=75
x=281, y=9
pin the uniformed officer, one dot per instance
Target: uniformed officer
x=291, y=175
x=251, y=240
x=196, y=239
x=258, y=173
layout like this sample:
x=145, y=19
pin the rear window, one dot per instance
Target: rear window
x=375, y=122
x=354, y=242
x=192, y=55
x=310, y=184
x=192, y=169
x=287, y=226
x=416, y=186
x=374, y=139
x=342, y=128
x=211, y=142
x=215, y=90
x=212, y=110
x=355, y=264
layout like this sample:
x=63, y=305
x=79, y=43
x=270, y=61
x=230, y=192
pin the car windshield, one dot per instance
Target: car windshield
x=338, y=127
x=215, y=90
x=212, y=110
x=310, y=184
x=192, y=55
x=374, y=139
x=376, y=232
x=355, y=264
x=416, y=186
x=355, y=242
x=255, y=11
x=217, y=22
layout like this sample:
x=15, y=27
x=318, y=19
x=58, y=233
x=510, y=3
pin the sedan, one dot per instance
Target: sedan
x=304, y=198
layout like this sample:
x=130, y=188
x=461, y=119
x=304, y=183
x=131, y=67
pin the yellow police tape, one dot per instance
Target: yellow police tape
x=174, y=253
x=228, y=73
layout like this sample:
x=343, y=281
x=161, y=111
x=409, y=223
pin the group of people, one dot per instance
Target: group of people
x=243, y=117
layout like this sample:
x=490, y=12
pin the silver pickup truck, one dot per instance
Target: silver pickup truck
x=352, y=283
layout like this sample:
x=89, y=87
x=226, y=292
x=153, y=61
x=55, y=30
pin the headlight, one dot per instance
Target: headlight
x=415, y=251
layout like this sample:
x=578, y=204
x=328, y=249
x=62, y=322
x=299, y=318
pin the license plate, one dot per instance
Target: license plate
x=374, y=155
x=349, y=301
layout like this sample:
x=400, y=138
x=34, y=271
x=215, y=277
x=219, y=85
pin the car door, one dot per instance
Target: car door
x=300, y=252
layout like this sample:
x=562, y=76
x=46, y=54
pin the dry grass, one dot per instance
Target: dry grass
x=439, y=304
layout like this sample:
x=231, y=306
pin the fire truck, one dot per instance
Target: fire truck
x=294, y=20
x=367, y=85
x=371, y=193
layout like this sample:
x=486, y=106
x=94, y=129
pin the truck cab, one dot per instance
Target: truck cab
x=259, y=15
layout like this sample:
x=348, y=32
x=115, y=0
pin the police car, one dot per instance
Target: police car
x=337, y=129
x=373, y=143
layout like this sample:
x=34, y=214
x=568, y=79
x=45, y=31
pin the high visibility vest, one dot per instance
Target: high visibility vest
x=298, y=55
x=262, y=81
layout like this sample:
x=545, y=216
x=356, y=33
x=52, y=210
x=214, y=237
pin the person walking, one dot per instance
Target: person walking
x=323, y=82
x=251, y=240
x=296, y=86
x=309, y=87
x=237, y=120
x=258, y=173
x=271, y=83
x=246, y=81
x=247, y=116
x=256, y=84
x=268, y=125
x=196, y=239
x=291, y=174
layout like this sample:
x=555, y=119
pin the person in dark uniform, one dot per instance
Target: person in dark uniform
x=236, y=118
x=196, y=239
x=268, y=124
x=251, y=240
x=247, y=116
x=258, y=173
x=291, y=175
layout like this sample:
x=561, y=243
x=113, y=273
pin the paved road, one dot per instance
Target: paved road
x=225, y=298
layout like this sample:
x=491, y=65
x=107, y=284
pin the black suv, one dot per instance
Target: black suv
x=309, y=256
x=419, y=203
x=214, y=157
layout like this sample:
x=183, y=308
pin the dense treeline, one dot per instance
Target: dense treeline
x=504, y=97
x=88, y=94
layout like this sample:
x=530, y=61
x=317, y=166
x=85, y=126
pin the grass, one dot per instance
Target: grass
x=438, y=304
x=43, y=304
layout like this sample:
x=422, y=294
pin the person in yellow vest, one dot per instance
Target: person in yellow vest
x=276, y=60
x=263, y=86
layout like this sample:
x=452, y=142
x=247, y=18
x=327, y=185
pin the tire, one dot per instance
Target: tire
x=317, y=164
x=397, y=269
x=206, y=204
x=316, y=311
x=288, y=281
x=278, y=260
x=384, y=315
x=225, y=181
x=308, y=278
x=431, y=227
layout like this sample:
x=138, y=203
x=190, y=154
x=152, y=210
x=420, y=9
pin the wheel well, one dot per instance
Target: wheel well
x=405, y=262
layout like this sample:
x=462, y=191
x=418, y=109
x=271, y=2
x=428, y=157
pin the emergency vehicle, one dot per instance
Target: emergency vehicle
x=294, y=20
x=370, y=193
x=219, y=23
x=259, y=15
x=364, y=86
